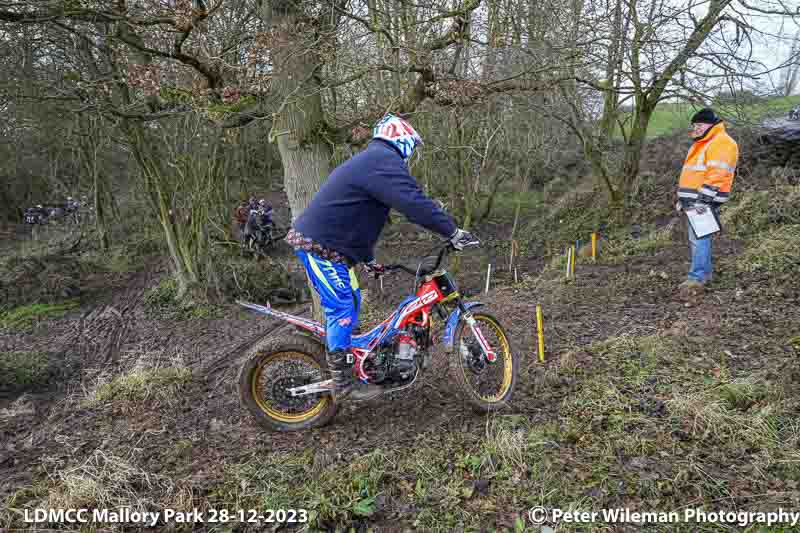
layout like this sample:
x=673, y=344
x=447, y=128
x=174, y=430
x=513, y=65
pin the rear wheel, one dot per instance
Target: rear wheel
x=487, y=386
x=275, y=365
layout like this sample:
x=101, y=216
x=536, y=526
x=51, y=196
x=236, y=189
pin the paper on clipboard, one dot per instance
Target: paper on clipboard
x=703, y=224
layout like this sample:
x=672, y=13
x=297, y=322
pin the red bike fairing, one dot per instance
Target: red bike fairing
x=427, y=295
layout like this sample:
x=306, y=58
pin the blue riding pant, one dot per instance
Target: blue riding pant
x=340, y=296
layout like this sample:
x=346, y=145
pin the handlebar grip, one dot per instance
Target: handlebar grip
x=389, y=268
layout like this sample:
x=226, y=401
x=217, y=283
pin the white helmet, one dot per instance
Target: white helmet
x=399, y=133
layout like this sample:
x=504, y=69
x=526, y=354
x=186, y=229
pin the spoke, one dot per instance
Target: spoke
x=485, y=375
x=283, y=374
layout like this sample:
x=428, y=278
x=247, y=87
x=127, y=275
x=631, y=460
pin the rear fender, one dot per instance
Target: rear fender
x=310, y=327
x=452, y=322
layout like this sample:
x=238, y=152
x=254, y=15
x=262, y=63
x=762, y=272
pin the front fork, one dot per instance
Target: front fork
x=486, y=348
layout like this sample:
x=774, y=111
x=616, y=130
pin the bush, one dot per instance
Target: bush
x=259, y=281
x=573, y=217
x=21, y=371
x=777, y=251
x=753, y=213
x=162, y=302
x=26, y=279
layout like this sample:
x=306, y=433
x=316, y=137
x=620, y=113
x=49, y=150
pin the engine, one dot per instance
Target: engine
x=397, y=362
x=405, y=352
x=377, y=367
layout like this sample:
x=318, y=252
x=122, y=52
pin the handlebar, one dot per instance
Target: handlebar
x=415, y=272
x=393, y=268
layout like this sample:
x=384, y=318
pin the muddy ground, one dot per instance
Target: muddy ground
x=746, y=317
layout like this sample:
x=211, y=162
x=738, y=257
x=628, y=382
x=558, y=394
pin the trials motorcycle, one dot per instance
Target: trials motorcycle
x=284, y=382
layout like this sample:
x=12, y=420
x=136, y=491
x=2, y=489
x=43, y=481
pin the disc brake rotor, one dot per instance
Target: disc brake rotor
x=473, y=357
x=275, y=390
x=280, y=390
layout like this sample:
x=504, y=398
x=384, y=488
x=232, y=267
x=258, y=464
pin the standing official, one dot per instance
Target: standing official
x=705, y=183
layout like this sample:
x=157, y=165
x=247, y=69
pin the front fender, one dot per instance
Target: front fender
x=452, y=322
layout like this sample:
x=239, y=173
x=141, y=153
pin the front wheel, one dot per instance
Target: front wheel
x=277, y=364
x=486, y=385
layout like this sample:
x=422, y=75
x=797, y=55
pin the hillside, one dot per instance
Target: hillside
x=669, y=118
x=644, y=401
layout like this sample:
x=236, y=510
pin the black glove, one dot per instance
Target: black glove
x=375, y=268
x=461, y=239
x=705, y=199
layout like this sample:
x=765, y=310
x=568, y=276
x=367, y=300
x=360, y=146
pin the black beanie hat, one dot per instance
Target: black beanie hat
x=706, y=116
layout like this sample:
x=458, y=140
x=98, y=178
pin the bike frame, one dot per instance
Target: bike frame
x=414, y=310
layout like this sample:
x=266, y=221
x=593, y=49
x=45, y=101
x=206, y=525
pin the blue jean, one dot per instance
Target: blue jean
x=701, y=269
x=340, y=297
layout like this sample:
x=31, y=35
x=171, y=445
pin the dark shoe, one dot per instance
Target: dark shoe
x=340, y=365
x=691, y=288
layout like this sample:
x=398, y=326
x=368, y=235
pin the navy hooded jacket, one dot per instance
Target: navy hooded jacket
x=352, y=206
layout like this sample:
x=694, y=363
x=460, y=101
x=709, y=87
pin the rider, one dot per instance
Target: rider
x=342, y=223
x=265, y=210
x=242, y=213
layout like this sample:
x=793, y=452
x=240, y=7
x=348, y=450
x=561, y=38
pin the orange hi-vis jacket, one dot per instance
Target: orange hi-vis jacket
x=709, y=167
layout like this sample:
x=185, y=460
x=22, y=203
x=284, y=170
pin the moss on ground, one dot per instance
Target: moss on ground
x=27, y=316
x=24, y=371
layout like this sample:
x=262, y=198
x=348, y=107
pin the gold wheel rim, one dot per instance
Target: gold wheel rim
x=255, y=382
x=508, y=362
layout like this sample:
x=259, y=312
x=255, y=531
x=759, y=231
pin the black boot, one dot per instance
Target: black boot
x=340, y=365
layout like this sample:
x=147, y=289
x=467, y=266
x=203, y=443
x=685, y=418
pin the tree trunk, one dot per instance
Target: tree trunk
x=299, y=125
x=89, y=143
x=632, y=158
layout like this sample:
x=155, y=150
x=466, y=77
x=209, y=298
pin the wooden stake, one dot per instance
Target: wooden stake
x=540, y=332
x=516, y=279
x=514, y=254
x=488, y=277
x=572, y=266
x=594, y=246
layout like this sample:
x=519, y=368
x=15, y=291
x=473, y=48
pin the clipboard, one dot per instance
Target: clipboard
x=704, y=224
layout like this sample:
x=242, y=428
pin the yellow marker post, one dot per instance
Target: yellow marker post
x=540, y=331
x=572, y=265
x=594, y=246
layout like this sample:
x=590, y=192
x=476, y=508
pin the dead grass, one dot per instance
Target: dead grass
x=107, y=481
x=22, y=406
x=651, y=242
x=101, y=481
x=154, y=377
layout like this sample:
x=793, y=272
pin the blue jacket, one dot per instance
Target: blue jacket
x=352, y=206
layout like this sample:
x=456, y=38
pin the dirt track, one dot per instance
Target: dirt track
x=586, y=313
x=606, y=300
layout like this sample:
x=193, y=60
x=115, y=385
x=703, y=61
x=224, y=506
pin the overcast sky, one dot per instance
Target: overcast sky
x=773, y=48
